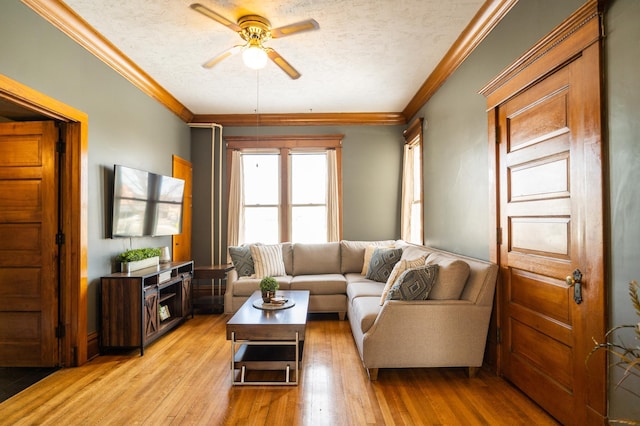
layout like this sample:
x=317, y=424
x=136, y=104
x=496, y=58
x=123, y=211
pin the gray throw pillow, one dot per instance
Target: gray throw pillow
x=242, y=260
x=382, y=262
x=414, y=284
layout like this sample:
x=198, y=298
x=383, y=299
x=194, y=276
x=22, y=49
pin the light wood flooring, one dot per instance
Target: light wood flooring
x=185, y=379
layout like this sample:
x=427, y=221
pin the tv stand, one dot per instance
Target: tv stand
x=141, y=306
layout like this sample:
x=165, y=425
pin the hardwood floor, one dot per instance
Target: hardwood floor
x=184, y=378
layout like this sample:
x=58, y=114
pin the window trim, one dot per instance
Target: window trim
x=286, y=144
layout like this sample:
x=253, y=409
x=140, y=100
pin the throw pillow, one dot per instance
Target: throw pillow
x=397, y=270
x=382, y=262
x=242, y=260
x=268, y=261
x=368, y=252
x=414, y=284
x=452, y=277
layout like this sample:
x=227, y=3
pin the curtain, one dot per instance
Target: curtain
x=333, y=212
x=235, y=222
x=407, y=193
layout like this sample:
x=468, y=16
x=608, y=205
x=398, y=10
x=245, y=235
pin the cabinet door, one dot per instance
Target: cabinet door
x=186, y=294
x=150, y=314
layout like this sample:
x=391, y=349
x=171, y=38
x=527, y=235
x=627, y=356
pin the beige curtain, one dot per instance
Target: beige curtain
x=235, y=222
x=407, y=193
x=333, y=214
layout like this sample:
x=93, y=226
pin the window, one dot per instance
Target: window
x=412, y=193
x=288, y=190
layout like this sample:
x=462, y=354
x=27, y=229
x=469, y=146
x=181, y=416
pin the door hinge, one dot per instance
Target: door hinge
x=499, y=236
x=59, y=238
x=499, y=335
x=60, y=331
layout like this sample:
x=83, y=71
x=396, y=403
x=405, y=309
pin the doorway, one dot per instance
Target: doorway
x=19, y=103
x=546, y=151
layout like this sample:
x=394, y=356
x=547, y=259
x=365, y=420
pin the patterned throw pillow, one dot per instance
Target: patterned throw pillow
x=267, y=260
x=242, y=260
x=382, y=262
x=400, y=267
x=414, y=284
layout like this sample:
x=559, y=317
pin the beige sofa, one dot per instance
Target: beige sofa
x=448, y=332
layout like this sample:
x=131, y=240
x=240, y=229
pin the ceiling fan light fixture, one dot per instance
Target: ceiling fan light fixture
x=255, y=57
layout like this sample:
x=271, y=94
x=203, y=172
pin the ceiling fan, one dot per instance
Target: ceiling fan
x=255, y=31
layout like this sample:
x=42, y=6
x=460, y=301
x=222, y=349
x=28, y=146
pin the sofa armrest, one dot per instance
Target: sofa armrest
x=430, y=333
x=232, y=277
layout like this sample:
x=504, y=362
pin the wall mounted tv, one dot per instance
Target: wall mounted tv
x=145, y=203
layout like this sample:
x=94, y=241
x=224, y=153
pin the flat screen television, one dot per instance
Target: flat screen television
x=145, y=203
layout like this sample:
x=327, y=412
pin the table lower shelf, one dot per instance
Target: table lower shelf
x=266, y=356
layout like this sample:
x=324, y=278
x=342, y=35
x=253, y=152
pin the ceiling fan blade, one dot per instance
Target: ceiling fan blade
x=222, y=56
x=284, y=65
x=298, y=27
x=216, y=17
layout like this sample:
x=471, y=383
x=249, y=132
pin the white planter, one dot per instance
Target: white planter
x=139, y=264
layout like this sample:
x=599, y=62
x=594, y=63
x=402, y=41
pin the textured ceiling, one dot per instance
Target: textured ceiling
x=367, y=56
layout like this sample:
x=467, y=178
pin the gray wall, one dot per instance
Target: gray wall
x=125, y=126
x=456, y=172
x=622, y=62
x=371, y=169
x=455, y=140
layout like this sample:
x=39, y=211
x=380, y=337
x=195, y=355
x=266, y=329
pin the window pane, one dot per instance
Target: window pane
x=417, y=184
x=261, y=172
x=416, y=220
x=309, y=178
x=309, y=224
x=261, y=225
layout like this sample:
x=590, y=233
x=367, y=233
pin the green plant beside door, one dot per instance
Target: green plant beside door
x=135, y=255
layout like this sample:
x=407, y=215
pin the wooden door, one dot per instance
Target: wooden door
x=550, y=218
x=28, y=252
x=183, y=169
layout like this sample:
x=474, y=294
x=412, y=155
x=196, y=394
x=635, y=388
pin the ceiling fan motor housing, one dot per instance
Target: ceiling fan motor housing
x=254, y=28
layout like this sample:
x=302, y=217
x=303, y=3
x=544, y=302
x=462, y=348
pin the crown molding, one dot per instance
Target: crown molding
x=67, y=21
x=483, y=22
x=303, y=119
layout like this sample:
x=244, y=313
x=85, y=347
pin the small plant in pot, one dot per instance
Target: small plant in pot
x=268, y=286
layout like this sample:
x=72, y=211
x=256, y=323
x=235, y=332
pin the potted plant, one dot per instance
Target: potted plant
x=268, y=286
x=134, y=259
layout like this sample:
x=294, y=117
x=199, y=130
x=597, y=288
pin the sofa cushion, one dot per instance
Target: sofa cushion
x=310, y=259
x=398, y=269
x=267, y=260
x=352, y=254
x=452, y=276
x=412, y=251
x=287, y=257
x=364, y=288
x=382, y=262
x=414, y=283
x=365, y=311
x=242, y=260
x=246, y=286
x=320, y=284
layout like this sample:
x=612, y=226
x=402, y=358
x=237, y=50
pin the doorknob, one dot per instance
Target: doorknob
x=575, y=280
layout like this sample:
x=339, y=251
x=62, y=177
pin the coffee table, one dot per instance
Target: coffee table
x=268, y=339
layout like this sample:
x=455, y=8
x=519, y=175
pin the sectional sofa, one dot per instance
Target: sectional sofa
x=380, y=286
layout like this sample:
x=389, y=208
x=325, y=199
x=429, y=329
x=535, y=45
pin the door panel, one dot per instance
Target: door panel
x=183, y=169
x=28, y=253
